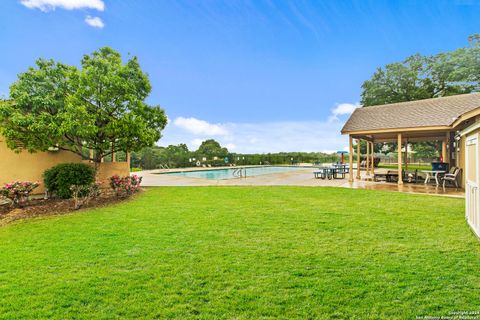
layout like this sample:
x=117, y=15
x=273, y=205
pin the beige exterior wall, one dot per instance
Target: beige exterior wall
x=25, y=166
x=107, y=169
x=461, y=155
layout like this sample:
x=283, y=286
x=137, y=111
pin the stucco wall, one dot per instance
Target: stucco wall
x=25, y=166
x=107, y=169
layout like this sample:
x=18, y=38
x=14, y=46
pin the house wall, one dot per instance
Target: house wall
x=25, y=166
x=107, y=169
x=472, y=176
x=461, y=155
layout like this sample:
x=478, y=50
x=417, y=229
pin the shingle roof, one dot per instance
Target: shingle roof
x=420, y=113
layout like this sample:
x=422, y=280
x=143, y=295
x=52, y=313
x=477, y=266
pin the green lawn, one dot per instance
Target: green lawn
x=413, y=166
x=244, y=253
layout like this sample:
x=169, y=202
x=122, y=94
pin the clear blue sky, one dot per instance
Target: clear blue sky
x=259, y=76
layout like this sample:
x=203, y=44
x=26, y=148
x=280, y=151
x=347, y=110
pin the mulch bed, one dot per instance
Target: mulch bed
x=49, y=207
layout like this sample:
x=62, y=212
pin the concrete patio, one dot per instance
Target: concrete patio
x=300, y=177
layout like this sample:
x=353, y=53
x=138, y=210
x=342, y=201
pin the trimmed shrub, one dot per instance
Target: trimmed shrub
x=59, y=179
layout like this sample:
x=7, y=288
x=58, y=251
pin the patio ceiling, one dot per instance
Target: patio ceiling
x=411, y=136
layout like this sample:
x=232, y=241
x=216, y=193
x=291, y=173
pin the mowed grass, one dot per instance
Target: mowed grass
x=411, y=167
x=244, y=253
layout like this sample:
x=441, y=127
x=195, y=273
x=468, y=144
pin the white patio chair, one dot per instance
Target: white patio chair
x=451, y=177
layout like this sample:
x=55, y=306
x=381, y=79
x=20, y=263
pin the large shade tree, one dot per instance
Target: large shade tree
x=422, y=77
x=211, y=148
x=99, y=106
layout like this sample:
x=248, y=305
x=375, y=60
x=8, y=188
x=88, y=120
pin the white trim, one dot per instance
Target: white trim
x=467, y=130
x=472, y=193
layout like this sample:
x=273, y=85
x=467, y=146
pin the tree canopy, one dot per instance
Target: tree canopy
x=211, y=148
x=421, y=77
x=100, y=106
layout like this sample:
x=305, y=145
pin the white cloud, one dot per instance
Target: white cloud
x=264, y=137
x=195, y=143
x=200, y=127
x=329, y=151
x=95, y=22
x=48, y=5
x=342, y=109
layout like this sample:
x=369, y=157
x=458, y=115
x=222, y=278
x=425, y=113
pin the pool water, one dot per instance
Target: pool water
x=219, y=174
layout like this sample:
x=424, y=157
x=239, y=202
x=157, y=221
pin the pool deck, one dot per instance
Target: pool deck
x=299, y=177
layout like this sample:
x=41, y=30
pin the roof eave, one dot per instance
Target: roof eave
x=400, y=130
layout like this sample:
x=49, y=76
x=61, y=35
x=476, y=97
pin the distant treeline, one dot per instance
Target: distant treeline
x=212, y=153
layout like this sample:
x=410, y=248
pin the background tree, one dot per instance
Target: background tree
x=419, y=77
x=100, y=106
x=210, y=149
x=396, y=82
x=178, y=156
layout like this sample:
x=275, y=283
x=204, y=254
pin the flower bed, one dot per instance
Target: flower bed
x=48, y=207
x=83, y=196
x=18, y=192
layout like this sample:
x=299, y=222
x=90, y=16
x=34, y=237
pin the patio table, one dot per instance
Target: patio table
x=432, y=174
x=327, y=173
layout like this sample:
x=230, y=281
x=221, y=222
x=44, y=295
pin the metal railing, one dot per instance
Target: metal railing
x=240, y=172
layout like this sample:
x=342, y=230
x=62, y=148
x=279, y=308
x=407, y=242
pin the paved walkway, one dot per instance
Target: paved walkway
x=300, y=177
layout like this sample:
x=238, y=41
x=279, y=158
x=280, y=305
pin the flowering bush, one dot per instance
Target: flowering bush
x=125, y=186
x=18, y=192
x=82, y=194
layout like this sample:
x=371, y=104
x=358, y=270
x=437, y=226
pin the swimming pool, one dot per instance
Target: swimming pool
x=219, y=174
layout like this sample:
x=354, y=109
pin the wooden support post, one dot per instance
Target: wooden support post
x=350, y=150
x=399, y=150
x=447, y=148
x=406, y=155
x=358, y=159
x=373, y=159
x=444, y=151
x=367, y=158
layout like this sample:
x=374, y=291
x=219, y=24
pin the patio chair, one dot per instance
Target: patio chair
x=392, y=176
x=451, y=177
x=410, y=176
